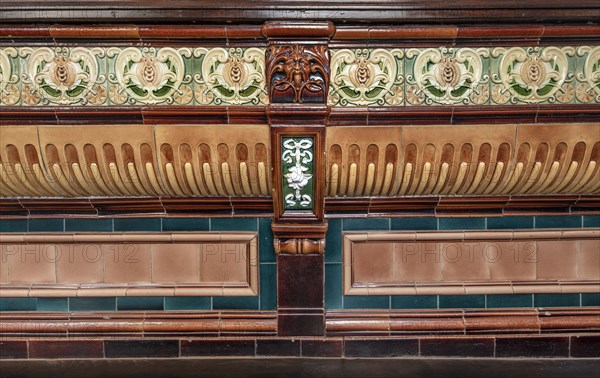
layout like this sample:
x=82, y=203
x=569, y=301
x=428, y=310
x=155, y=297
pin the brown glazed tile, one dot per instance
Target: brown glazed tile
x=283, y=347
x=175, y=263
x=66, y=349
x=502, y=322
x=585, y=346
x=532, y=346
x=13, y=349
x=214, y=347
x=382, y=347
x=4, y=258
x=300, y=325
x=322, y=348
x=457, y=347
x=300, y=281
x=34, y=263
x=464, y=261
x=226, y=262
x=418, y=262
x=556, y=259
x=373, y=262
x=512, y=260
x=588, y=260
x=82, y=264
x=127, y=263
x=141, y=348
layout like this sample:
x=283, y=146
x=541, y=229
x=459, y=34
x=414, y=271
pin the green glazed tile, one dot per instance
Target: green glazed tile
x=411, y=224
x=46, y=225
x=556, y=300
x=462, y=301
x=233, y=224
x=88, y=225
x=504, y=223
x=186, y=224
x=366, y=224
x=235, y=303
x=265, y=240
x=333, y=241
x=138, y=224
x=366, y=301
x=591, y=221
x=140, y=303
x=268, y=286
x=558, y=222
x=187, y=303
x=18, y=304
x=462, y=223
x=590, y=299
x=333, y=286
x=53, y=304
x=509, y=300
x=414, y=301
x=93, y=304
x=13, y=225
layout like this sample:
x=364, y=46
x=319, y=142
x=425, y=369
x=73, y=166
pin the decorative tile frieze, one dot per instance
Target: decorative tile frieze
x=114, y=76
x=465, y=76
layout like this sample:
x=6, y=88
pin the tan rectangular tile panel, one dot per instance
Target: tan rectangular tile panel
x=481, y=262
x=121, y=264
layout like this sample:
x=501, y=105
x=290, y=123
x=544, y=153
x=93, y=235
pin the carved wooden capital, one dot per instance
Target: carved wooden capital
x=299, y=246
x=297, y=73
x=299, y=239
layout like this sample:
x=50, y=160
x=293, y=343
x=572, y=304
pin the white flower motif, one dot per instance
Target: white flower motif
x=296, y=177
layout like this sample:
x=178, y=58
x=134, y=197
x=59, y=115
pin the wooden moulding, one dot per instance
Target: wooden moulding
x=471, y=262
x=129, y=264
x=389, y=12
x=461, y=322
x=141, y=324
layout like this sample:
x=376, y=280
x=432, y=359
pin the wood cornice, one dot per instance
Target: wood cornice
x=389, y=11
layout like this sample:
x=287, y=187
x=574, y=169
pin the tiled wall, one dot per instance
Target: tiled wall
x=334, y=299
x=267, y=269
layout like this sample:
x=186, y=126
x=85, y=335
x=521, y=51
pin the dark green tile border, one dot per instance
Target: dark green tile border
x=140, y=303
x=333, y=241
x=93, y=304
x=188, y=303
x=504, y=223
x=414, y=301
x=138, y=224
x=558, y=222
x=410, y=224
x=46, y=225
x=509, y=300
x=13, y=225
x=235, y=303
x=53, y=304
x=462, y=223
x=186, y=224
x=233, y=224
x=88, y=225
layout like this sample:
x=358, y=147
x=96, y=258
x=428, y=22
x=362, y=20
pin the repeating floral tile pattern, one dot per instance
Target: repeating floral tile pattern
x=114, y=76
x=465, y=76
x=199, y=76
